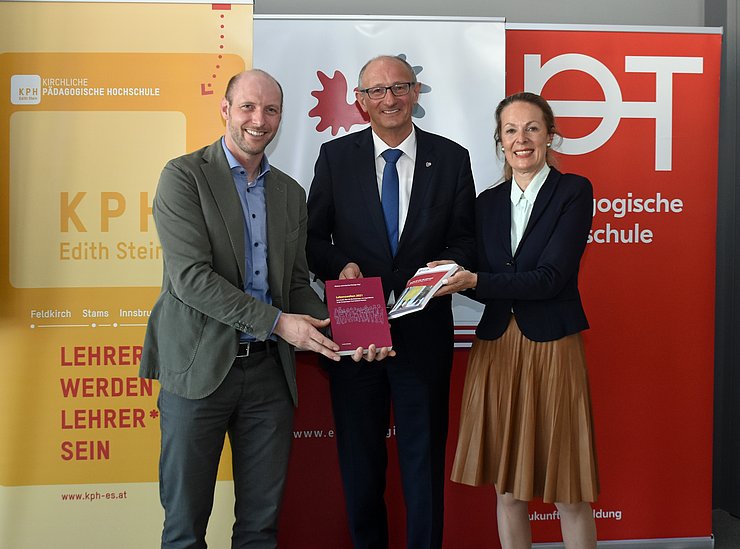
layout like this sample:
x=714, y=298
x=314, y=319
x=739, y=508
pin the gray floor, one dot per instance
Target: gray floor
x=726, y=530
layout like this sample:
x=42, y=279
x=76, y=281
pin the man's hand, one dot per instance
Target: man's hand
x=372, y=354
x=302, y=331
x=351, y=270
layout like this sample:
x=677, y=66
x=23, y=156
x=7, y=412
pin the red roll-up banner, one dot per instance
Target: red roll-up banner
x=638, y=112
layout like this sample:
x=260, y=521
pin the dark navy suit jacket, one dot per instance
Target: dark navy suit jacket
x=345, y=224
x=539, y=280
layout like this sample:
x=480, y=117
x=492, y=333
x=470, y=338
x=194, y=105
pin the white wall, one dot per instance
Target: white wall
x=612, y=12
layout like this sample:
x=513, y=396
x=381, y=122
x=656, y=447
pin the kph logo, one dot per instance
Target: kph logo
x=25, y=89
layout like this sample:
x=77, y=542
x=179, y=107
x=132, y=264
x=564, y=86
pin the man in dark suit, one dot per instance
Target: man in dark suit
x=220, y=337
x=351, y=233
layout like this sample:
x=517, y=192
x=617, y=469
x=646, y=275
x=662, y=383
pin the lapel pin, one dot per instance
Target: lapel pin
x=428, y=164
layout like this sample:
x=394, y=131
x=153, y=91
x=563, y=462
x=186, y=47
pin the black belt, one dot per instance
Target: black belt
x=247, y=348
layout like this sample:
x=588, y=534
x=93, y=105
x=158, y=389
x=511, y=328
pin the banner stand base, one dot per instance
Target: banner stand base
x=664, y=543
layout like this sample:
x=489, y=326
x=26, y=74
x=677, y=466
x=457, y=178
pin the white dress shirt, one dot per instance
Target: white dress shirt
x=405, y=168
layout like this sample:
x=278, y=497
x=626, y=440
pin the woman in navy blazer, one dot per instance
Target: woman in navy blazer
x=526, y=422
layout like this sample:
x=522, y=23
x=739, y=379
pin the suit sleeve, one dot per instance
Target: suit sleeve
x=303, y=299
x=460, y=237
x=325, y=260
x=185, y=236
x=560, y=258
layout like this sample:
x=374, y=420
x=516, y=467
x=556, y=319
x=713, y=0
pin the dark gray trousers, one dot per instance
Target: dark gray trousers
x=253, y=405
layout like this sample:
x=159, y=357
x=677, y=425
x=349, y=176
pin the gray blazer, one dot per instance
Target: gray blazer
x=192, y=336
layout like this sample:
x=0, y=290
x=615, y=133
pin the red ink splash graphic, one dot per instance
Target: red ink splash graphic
x=332, y=109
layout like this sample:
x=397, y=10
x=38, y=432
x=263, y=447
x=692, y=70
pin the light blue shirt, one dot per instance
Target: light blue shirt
x=252, y=197
x=522, y=203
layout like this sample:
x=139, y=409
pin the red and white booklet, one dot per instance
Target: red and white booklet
x=420, y=289
x=358, y=314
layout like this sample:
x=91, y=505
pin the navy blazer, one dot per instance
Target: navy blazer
x=539, y=280
x=345, y=224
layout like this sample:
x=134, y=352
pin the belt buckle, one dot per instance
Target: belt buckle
x=248, y=345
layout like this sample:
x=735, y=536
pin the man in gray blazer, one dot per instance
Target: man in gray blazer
x=221, y=335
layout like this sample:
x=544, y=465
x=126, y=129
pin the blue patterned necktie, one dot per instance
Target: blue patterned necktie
x=389, y=196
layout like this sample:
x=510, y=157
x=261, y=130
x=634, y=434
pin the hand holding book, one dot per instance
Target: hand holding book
x=422, y=287
x=459, y=281
x=372, y=353
x=358, y=318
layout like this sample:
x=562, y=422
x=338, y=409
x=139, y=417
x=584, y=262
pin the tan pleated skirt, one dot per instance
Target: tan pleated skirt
x=526, y=424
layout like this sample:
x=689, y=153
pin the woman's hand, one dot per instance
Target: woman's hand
x=461, y=280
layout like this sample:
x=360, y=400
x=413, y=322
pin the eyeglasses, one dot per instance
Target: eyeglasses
x=402, y=88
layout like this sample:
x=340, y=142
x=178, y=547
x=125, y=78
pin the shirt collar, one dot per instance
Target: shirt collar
x=234, y=163
x=530, y=193
x=407, y=146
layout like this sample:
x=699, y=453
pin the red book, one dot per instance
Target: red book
x=358, y=315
